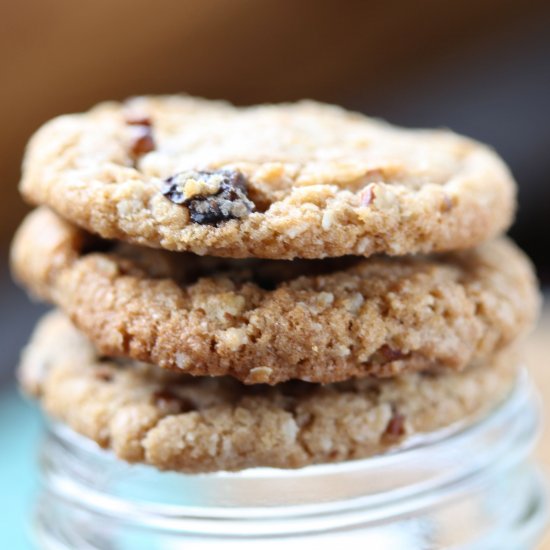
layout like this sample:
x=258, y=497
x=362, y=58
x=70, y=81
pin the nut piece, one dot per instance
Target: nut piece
x=142, y=141
x=212, y=197
x=386, y=354
x=395, y=428
x=141, y=134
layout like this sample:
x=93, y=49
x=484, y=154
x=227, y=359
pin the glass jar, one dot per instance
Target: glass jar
x=468, y=486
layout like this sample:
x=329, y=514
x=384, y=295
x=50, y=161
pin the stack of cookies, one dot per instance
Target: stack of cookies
x=268, y=286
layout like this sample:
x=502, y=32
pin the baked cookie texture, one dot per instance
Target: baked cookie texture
x=178, y=422
x=265, y=321
x=318, y=181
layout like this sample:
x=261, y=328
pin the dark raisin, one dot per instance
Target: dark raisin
x=169, y=401
x=212, y=197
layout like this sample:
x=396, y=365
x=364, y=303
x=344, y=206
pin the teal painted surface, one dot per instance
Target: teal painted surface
x=20, y=428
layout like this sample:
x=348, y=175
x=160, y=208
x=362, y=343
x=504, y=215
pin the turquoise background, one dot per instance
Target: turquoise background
x=20, y=429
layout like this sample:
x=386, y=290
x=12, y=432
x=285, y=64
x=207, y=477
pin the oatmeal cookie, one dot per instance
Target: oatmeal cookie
x=275, y=181
x=267, y=321
x=178, y=422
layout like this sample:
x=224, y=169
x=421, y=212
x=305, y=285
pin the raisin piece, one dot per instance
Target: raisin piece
x=212, y=197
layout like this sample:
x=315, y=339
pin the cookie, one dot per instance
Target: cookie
x=278, y=181
x=178, y=422
x=267, y=321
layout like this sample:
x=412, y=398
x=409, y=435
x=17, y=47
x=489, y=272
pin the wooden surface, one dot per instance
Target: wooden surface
x=539, y=365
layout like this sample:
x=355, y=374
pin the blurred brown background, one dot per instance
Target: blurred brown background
x=481, y=67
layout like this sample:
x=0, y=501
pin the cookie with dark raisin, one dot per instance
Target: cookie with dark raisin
x=170, y=420
x=267, y=321
x=299, y=180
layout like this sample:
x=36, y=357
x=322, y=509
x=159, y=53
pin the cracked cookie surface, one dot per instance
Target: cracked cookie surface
x=318, y=181
x=178, y=422
x=267, y=321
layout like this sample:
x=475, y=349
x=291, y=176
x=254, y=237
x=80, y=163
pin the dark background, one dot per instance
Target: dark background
x=479, y=67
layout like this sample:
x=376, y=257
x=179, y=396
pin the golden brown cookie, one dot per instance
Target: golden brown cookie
x=267, y=321
x=177, y=422
x=278, y=181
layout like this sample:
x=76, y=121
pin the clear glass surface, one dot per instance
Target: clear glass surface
x=469, y=486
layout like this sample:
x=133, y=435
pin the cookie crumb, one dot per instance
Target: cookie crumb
x=260, y=375
x=182, y=360
x=385, y=198
x=447, y=203
x=234, y=338
x=368, y=195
